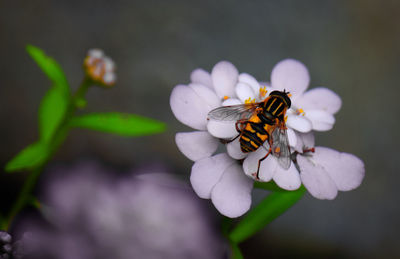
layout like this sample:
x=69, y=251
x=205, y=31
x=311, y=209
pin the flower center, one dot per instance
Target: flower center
x=226, y=97
x=263, y=91
x=300, y=111
x=249, y=100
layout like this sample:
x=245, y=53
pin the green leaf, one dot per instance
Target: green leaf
x=52, y=111
x=49, y=66
x=32, y=156
x=118, y=123
x=269, y=209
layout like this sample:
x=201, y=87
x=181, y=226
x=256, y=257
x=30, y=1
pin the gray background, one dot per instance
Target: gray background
x=352, y=47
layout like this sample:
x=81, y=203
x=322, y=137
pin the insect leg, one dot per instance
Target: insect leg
x=259, y=163
x=227, y=141
x=237, y=129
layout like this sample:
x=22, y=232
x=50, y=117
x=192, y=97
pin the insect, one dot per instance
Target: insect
x=260, y=124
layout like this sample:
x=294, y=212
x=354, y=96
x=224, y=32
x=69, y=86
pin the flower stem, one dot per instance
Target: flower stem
x=58, y=139
x=274, y=205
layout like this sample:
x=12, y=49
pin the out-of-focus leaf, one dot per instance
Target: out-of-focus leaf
x=53, y=108
x=32, y=156
x=49, y=66
x=118, y=123
x=270, y=208
x=269, y=186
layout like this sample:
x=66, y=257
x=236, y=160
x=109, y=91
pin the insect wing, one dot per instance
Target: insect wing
x=233, y=112
x=280, y=146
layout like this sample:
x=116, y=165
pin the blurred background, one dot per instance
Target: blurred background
x=351, y=47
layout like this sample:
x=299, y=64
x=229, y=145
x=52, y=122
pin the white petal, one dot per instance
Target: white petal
x=316, y=180
x=222, y=129
x=207, y=172
x=231, y=101
x=320, y=120
x=291, y=75
x=196, y=145
x=320, y=98
x=287, y=179
x=232, y=194
x=201, y=76
x=188, y=107
x=233, y=149
x=345, y=169
x=267, y=167
x=224, y=77
x=250, y=80
x=299, y=123
x=304, y=141
x=244, y=92
x=207, y=95
x=291, y=137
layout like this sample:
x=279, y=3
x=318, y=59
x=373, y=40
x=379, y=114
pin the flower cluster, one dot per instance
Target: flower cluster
x=91, y=212
x=227, y=178
x=99, y=68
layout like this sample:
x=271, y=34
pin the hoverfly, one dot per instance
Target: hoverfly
x=260, y=124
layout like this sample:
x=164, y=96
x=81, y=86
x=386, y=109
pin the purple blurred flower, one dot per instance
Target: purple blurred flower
x=96, y=215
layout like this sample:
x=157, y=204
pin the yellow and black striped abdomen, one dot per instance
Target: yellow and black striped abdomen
x=253, y=136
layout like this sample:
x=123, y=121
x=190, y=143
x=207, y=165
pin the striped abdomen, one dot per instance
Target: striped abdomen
x=255, y=133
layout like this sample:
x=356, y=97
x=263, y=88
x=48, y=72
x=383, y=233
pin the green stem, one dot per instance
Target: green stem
x=274, y=205
x=57, y=141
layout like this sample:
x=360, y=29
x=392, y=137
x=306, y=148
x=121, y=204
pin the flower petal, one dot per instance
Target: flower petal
x=304, y=141
x=244, y=92
x=320, y=98
x=251, y=81
x=291, y=137
x=287, y=179
x=222, y=129
x=232, y=194
x=299, y=123
x=197, y=144
x=201, y=76
x=291, y=75
x=267, y=167
x=188, y=107
x=207, y=172
x=224, y=77
x=207, y=95
x=316, y=179
x=320, y=120
x=234, y=150
x=345, y=169
x=231, y=101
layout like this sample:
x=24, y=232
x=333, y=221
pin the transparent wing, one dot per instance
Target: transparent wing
x=233, y=112
x=280, y=146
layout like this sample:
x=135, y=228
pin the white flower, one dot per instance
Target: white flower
x=100, y=68
x=221, y=177
x=217, y=177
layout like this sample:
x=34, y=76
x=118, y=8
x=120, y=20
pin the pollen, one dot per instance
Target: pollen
x=290, y=95
x=249, y=100
x=286, y=118
x=226, y=97
x=263, y=91
x=277, y=149
x=300, y=112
